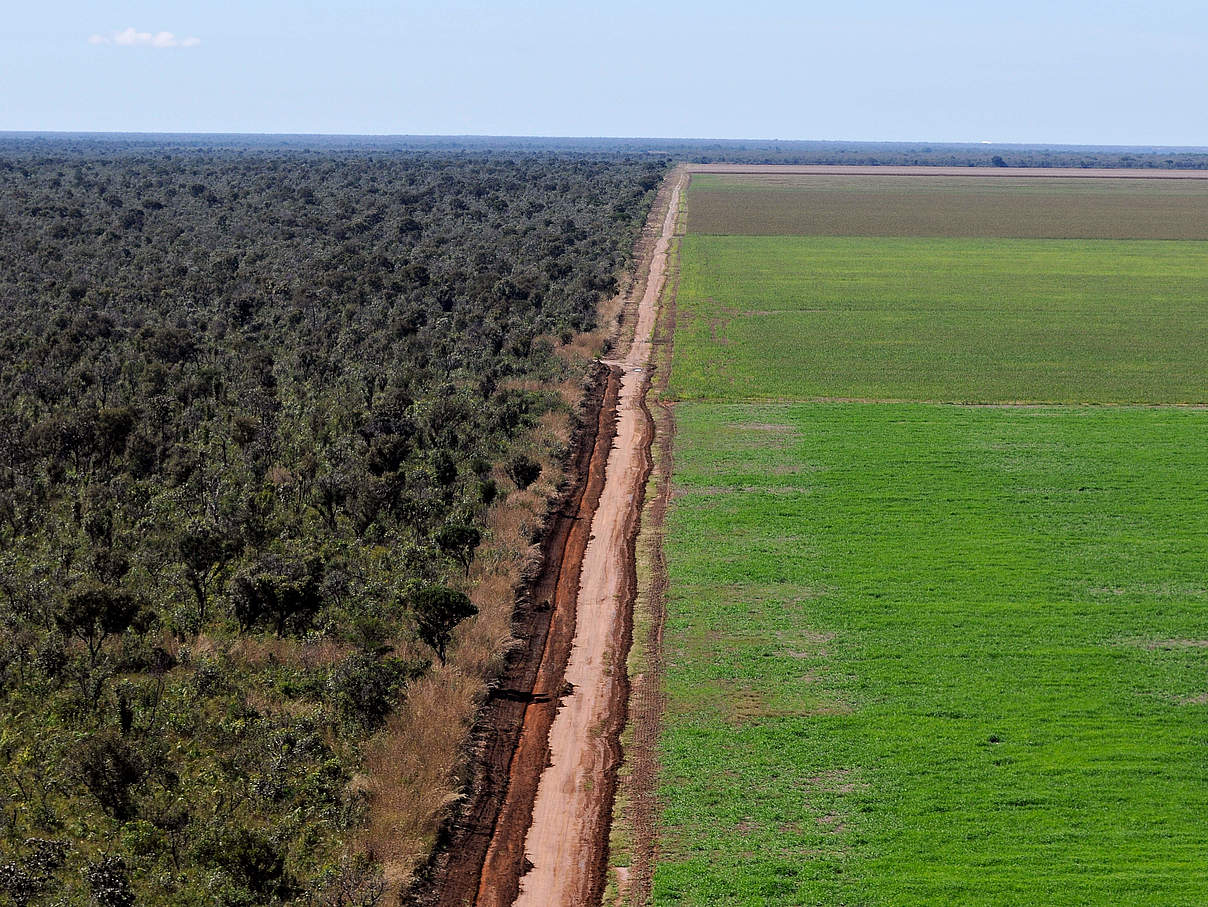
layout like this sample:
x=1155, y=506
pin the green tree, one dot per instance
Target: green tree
x=459, y=541
x=278, y=591
x=95, y=614
x=204, y=552
x=438, y=610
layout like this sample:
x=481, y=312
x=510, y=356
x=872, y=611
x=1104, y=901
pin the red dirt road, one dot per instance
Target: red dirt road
x=567, y=840
x=535, y=827
x=482, y=861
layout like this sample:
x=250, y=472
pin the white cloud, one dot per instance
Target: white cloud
x=131, y=37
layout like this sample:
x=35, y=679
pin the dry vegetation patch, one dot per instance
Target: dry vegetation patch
x=948, y=205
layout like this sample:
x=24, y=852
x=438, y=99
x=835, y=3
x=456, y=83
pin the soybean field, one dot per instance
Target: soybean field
x=937, y=620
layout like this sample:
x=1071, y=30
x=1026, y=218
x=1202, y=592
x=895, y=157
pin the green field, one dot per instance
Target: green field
x=926, y=652
x=939, y=654
x=783, y=318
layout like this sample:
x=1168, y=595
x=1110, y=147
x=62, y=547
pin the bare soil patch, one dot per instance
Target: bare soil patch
x=506, y=830
x=990, y=172
x=567, y=843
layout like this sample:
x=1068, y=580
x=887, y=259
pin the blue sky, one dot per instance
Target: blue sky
x=1012, y=71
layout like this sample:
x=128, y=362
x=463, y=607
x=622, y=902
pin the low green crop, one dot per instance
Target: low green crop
x=936, y=654
x=781, y=318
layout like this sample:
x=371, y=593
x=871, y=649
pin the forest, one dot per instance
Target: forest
x=256, y=406
x=696, y=151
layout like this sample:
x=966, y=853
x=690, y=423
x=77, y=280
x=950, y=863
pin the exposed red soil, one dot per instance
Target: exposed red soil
x=505, y=863
x=512, y=734
x=567, y=843
x=566, y=847
x=485, y=853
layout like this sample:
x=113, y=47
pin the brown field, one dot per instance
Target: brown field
x=982, y=203
x=1142, y=173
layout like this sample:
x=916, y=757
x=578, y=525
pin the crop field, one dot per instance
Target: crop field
x=774, y=318
x=1002, y=206
x=923, y=651
x=926, y=653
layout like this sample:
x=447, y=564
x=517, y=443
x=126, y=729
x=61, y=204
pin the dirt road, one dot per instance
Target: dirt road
x=482, y=860
x=535, y=827
x=567, y=840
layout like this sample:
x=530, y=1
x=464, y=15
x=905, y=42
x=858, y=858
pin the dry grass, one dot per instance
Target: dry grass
x=416, y=767
x=309, y=655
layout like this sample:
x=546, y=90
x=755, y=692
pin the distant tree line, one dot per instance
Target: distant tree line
x=701, y=151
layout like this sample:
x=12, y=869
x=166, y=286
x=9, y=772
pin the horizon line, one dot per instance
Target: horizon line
x=947, y=143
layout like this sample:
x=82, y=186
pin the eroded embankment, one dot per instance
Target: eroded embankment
x=486, y=853
x=512, y=733
x=567, y=844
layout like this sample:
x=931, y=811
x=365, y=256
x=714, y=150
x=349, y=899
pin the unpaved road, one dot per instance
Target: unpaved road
x=535, y=827
x=483, y=858
x=567, y=840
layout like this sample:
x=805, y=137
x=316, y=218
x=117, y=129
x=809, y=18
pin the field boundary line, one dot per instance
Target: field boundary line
x=989, y=172
x=969, y=404
x=635, y=828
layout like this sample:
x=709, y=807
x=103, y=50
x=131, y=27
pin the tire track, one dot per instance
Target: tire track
x=503, y=833
x=566, y=847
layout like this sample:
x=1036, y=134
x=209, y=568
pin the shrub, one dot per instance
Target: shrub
x=109, y=883
x=364, y=689
x=523, y=471
x=110, y=767
x=438, y=610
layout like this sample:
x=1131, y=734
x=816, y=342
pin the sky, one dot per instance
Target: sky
x=1025, y=71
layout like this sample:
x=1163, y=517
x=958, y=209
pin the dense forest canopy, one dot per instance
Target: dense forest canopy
x=254, y=403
